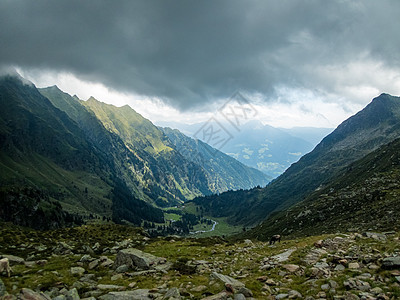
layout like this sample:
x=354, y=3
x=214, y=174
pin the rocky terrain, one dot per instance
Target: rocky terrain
x=121, y=262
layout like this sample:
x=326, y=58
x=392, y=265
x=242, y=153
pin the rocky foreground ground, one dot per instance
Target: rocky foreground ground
x=118, y=262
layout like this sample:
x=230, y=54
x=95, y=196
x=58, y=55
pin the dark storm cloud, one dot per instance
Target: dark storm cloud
x=191, y=52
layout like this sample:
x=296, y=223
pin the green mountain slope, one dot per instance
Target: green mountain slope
x=223, y=172
x=165, y=175
x=374, y=126
x=366, y=196
x=47, y=161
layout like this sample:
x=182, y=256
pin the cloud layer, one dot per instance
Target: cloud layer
x=190, y=53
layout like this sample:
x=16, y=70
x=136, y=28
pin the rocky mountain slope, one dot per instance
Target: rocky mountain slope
x=161, y=173
x=374, y=126
x=118, y=262
x=223, y=172
x=365, y=196
x=49, y=167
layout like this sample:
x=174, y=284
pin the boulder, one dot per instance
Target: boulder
x=28, y=294
x=391, y=262
x=135, y=258
x=291, y=268
x=72, y=294
x=77, y=271
x=14, y=260
x=173, y=293
x=236, y=284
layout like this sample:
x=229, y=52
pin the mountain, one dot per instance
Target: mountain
x=268, y=149
x=366, y=196
x=51, y=174
x=374, y=126
x=313, y=135
x=223, y=172
x=161, y=174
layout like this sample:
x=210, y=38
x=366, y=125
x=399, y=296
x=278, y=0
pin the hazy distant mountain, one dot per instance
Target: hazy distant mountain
x=223, y=172
x=268, y=149
x=374, y=126
x=313, y=135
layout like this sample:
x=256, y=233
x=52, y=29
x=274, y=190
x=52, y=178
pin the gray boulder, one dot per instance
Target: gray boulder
x=391, y=262
x=227, y=280
x=135, y=258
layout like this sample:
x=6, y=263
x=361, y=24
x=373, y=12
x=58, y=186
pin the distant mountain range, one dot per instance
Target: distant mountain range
x=266, y=148
x=375, y=126
x=92, y=159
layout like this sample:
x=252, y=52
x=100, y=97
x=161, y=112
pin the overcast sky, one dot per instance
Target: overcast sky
x=301, y=63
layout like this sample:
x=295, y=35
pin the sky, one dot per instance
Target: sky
x=299, y=63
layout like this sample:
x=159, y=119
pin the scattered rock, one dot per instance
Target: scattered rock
x=284, y=256
x=375, y=236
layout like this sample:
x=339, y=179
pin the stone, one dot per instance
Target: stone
x=293, y=294
x=77, y=271
x=117, y=277
x=28, y=294
x=139, y=294
x=354, y=265
x=173, y=293
x=135, y=258
x=72, y=294
x=122, y=269
x=236, y=284
x=375, y=236
x=281, y=296
x=94, y=264
x=391, y=262
x=220, y=296
x=198, y=289
x=397, y=278
x=321, y=265
x=284, y=256
x=14, y=260
x=340, y=268
x=239, y=297
x=325, y=287
x=86, y=258
x=291, y=267
x=109, y=287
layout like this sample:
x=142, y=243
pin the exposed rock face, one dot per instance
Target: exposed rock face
x=136, y=259
x=236, y=284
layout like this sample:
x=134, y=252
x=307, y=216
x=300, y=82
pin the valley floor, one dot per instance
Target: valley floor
x=121, y=262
